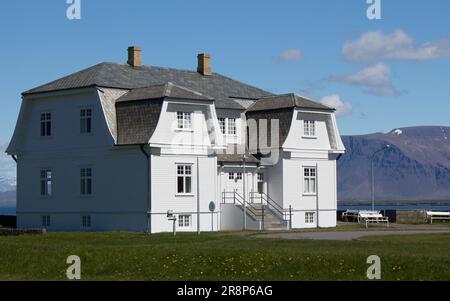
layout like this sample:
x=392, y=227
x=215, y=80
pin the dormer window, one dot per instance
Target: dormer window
x=228, y=126
x=46, y=124
x=184, y=120
x=231, y=126
x=309, y=128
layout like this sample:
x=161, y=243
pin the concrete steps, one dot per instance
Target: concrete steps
x=271, y=221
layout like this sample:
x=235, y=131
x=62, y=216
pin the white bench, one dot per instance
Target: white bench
x=353, y=214
x=432, y=215
x=372, y=217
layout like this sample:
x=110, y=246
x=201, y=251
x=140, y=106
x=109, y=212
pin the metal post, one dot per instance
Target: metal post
x=245, y=204
x=262, y=207
x=198, y=197
x=290, y=217
x=372, y=173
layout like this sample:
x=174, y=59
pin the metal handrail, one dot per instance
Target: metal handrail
x=236, y=197
x=277, y=209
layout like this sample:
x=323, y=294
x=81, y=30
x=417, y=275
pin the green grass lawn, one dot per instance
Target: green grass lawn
x=221, y=256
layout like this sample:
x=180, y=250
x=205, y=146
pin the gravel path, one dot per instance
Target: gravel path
x=350, y=235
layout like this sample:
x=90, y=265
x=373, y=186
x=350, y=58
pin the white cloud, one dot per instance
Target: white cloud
x=288, y=55
x=334, y=101
x=375, y=78
x=376, y=45
x=7, y=170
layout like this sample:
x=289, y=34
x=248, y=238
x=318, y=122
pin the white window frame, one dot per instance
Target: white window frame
x=46, y=182
x=184, y=170
x=45, y=221
x=86, y=181
x=228, y=126
x=239, y=176
x=231, y=127
x=184, y=121
x=222, y=125
x=309, y=128
x=184, y=221
x=231, y=176
x=46, y=124
x=86, y=121
x=310, y=218
x=86, y=222
x=309, y=177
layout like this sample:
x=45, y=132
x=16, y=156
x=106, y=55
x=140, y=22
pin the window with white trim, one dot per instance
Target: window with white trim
x=85, y=121
x=309, y=218
x=222, y=124
x=309, y=180
x=228, y=126
x=184, y=179
x=86, y=221
x=309, y=128
x=46, y=124
x=45, y=220
x=231, y=126
x=46, y=182
x=239, y=176
x=86, y=181
x=231, y=176
x=184, y=120
x=184, y=221
x=260, y=181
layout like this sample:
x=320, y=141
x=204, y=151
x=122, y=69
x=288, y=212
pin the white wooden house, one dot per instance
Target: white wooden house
x=117, y=146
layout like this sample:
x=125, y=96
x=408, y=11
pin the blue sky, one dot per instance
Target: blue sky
x=382, y=74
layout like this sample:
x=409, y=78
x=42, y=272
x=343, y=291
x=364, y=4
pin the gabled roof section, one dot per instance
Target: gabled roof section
x=168, y=90
x=284, y=101
x=123, y=76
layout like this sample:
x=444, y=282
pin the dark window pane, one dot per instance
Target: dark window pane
x=188, y=185
x=82, y=187
x=42, y=187
x=89, y=186
x=180, y=188
x=88, y=125
x=49, y=128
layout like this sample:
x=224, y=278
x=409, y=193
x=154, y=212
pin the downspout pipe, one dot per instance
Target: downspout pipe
x=147, y=155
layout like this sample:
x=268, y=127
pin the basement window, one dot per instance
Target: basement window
x=86, y=221
x=45, y=220
x=309, y=218
x=184, y=221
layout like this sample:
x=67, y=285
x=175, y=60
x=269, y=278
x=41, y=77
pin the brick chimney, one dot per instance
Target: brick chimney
x=134, y=56
x=204, y=64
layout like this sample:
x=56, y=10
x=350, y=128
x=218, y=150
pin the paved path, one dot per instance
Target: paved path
x=350, y=235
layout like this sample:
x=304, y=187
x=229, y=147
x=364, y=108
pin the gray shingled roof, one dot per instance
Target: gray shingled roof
x=123, y=76
x=137, y=120
x=291, y=100
x=168, y=90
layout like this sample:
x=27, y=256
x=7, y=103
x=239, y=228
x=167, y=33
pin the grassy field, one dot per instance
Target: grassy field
x=221, y=256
